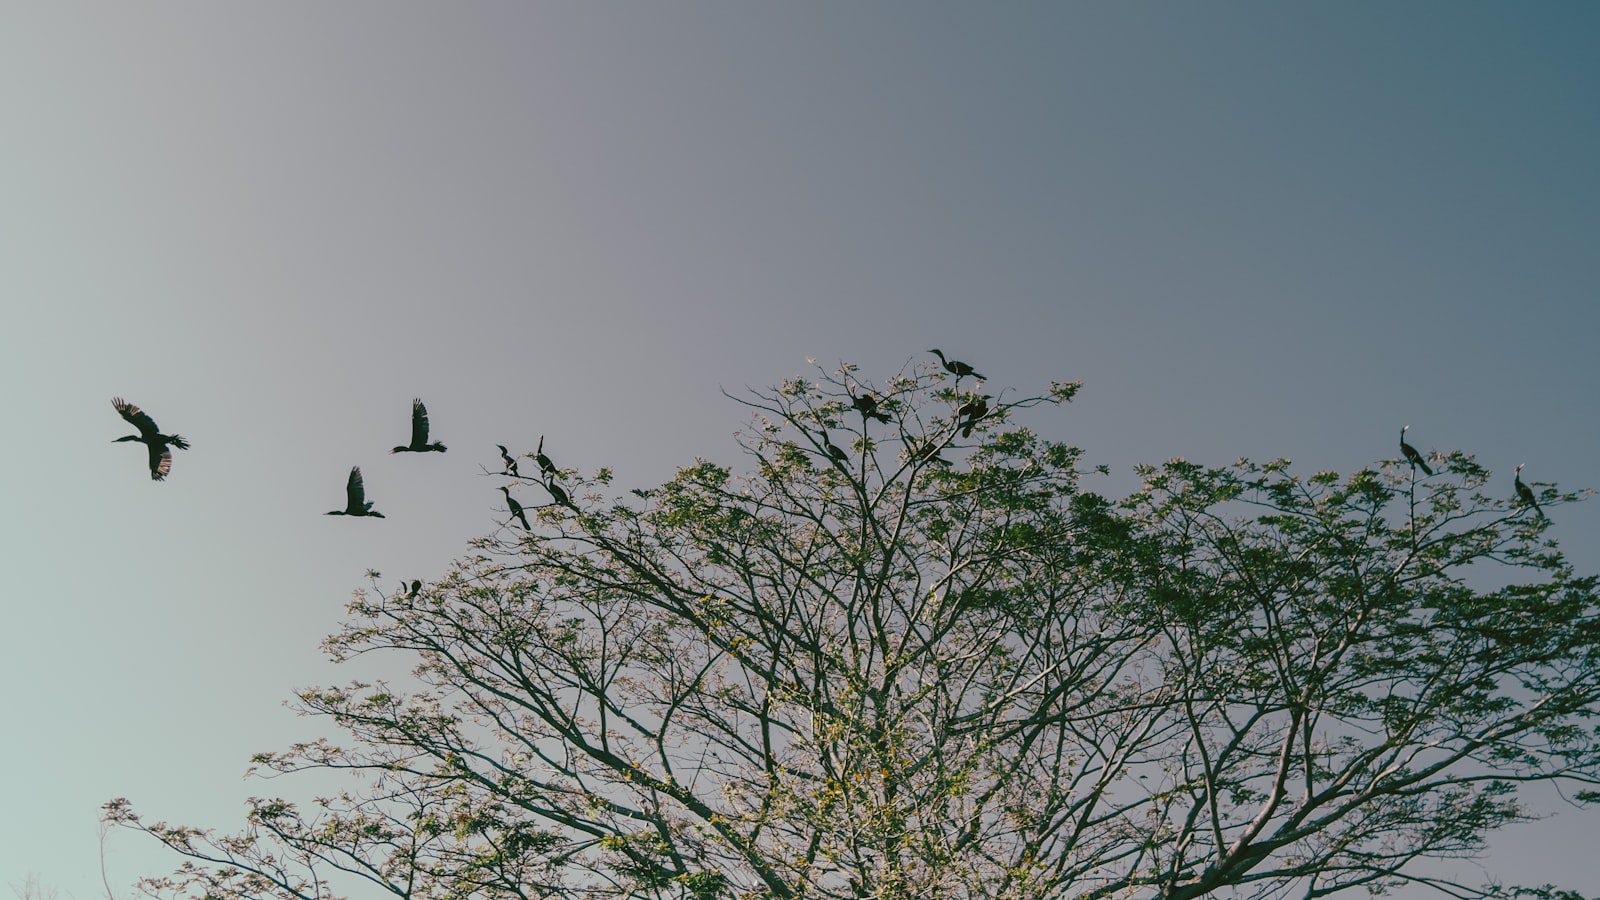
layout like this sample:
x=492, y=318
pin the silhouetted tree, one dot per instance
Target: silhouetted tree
x=960, y=676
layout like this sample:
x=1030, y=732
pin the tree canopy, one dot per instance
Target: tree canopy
x=904, y=650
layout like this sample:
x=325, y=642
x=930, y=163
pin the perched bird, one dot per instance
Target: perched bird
x=419, y=432
x=545, y=465
x=415, y=588
x=973, y=411
x=839, y=456
x=1525, y=493
x=511, y=464
x=516, y=509
x=867, y=405
x=559, y=495
x=355, y=498
x=928, y=452
x=955, y=366
x=149, y=435
x=1411, y=454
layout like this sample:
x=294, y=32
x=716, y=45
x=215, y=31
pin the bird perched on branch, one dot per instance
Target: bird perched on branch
x=1525, y=493
x=511, y=464
x=415, y=588
x=559, y=495
x=956, y=367
x=546, y=467
x=419, y=432
x=355, y=498
x=839, y=456
x=516, y=508
x=867, y=405
x=973, y=410
x=1411, y=454
x=150, y=435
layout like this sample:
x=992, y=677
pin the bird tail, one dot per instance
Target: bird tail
x=1426, y=470
x=179, y=442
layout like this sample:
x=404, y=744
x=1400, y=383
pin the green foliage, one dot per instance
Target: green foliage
x=947, y=663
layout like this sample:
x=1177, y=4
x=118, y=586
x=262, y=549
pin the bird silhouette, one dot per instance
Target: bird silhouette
x=355, y=498
x=559, y=495
x=511, y=464
x=415, y=588
x=516, y=508
x=867, y=405
x=1525, y=493
x=149, y=435
x=419, y=432
x=839, y=456
x=545, y=465
x=1411, y=454
x=973, y=410
x=955, y=366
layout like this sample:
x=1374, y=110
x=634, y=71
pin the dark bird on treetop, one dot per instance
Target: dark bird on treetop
x=419, y=432
x=355, y=498
x=545, y=465
x=973, y=410
x=150, y=436
x=516, y=508
x=1526, y=493
x=511, y=464
x=416, y=588
x=839, y=456
x=867, y=405
x=558, y=494
x=1411, y=454
x=955, y=366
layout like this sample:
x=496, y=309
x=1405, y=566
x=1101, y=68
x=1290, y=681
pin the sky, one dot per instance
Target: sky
x=1251, y=229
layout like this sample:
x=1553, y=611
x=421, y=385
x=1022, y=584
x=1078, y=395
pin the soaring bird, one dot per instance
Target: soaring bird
x=1526, y=493
x=150, y=436
x=545, y=465
x=1411, y=454
x=956, y=367
x=511, y=464
x=516, y=509
x=867, y=405
x=355, y=498
x=419, y=432
x=973, y=411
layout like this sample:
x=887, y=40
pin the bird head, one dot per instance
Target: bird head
x=1518, y=472
x=1403, y=431
x=400, y=449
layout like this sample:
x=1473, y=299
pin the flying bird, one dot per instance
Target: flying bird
x=511, y=464
x=545, y=465
x=1526, y=493
x=355, y=498
x=956, y=367
x=419, y=432
x=1411, y=454
x=149, y=435
x=516, y=509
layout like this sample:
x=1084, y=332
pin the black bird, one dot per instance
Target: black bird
x=558, y=494
x=867, y=405
x=1411, y=454
x=419, y=432
x=973, y=410
x=928, y=452
x=516, y=508
x=416, y=587
x=1526, y=493
x=150, y=436
x=839, y=456
x=956, y=367
x=545, y=465
x=355, y=498
x=511, y=464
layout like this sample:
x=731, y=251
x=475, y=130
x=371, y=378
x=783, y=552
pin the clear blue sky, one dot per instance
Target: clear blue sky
x=1252, y=229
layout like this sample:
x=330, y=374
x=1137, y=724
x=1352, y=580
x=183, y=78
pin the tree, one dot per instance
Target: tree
x=888, y=660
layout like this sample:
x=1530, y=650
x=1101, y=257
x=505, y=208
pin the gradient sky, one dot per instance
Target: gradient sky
x=1251, y=229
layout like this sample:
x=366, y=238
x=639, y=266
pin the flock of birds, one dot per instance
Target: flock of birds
x=159, y=449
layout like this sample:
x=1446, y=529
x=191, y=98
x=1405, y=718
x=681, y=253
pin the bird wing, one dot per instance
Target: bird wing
x=160, y=462
x=419, y=423
x=355, y=492
x=135, y=417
